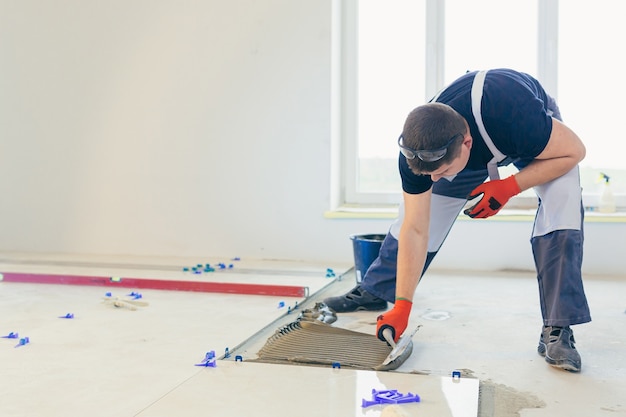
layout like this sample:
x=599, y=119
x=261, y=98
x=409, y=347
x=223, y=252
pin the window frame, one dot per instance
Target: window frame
x=345, y=83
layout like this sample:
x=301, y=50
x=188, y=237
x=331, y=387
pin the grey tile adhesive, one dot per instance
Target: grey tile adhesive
x=309, y=340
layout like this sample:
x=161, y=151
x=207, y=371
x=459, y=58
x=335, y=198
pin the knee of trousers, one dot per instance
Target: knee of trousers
x=380, y=278
x=560, y=205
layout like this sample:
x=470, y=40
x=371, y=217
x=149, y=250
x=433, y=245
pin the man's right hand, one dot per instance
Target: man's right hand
x=396, y=319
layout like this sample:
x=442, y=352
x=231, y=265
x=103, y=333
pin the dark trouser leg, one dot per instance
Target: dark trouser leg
x=558, y=257
x=449, y=197
x=380, y=278
x=557, y=244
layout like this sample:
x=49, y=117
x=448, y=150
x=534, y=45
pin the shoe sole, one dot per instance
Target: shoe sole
x=359, y=308
x=370, y=309
x=563, y=364
x=347, y=308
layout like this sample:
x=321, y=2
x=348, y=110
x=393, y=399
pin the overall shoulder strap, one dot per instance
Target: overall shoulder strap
x=477, y=96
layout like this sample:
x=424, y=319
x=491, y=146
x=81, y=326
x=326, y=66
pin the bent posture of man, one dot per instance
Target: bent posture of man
x=448, y=148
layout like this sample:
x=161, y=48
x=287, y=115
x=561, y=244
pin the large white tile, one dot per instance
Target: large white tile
x=235, y=389
x=109, y=361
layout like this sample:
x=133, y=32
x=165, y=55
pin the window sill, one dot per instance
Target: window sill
x=506, y=215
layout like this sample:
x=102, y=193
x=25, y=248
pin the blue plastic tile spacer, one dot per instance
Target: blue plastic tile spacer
x=209, y=360
x=408, y=398
x=67, y=316
x=11, y=335
x=367, y=403
x=281, y=304
x=238, y=358
x=336, y=365
x=23, y=341
x=390, y=397
x=208, y=364
x=456, y=374
x=108, y=294
x=226, y=353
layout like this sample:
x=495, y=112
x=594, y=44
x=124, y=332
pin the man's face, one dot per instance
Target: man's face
x=456, y=165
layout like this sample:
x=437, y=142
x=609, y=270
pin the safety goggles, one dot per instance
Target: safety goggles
x=426, y=155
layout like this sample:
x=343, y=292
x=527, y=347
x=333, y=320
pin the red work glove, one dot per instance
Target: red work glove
x=395, y=319
x=495, y=195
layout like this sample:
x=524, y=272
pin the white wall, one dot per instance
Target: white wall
x=193, y=128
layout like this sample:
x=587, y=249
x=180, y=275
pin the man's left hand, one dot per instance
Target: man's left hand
x=495, y=195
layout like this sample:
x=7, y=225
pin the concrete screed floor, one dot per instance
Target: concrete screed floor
x=117, y=362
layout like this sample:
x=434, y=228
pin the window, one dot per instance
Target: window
x=591, y=89
x=505, y=36
x=406, y=50
x=389, y=81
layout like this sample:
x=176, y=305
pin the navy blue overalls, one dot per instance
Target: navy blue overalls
x=557, y=236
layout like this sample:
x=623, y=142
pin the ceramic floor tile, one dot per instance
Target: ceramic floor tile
x=108, y=361
x=235, y=389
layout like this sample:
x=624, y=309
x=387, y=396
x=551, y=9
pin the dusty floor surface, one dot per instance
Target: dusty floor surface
x=114, y=361
x=488, y=325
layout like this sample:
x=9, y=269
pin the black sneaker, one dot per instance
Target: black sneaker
x=556, y=344
x=356, y=299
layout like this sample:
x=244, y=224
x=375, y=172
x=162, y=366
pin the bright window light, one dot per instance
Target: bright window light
x=393, y=77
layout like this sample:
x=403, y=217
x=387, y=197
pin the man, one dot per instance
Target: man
x=448, y=148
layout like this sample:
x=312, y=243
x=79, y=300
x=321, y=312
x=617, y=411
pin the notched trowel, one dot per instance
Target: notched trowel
x=400, y=351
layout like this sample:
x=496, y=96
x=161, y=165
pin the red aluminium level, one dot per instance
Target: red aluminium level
x=157, y=284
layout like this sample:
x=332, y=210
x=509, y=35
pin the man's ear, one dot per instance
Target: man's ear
x=467, y=141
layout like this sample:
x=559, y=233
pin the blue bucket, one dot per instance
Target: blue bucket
x=366, y=248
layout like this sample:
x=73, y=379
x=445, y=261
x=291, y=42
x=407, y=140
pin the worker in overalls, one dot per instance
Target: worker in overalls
x=448, y=148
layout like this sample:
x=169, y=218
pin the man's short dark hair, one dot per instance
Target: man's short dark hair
x=431, y=126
